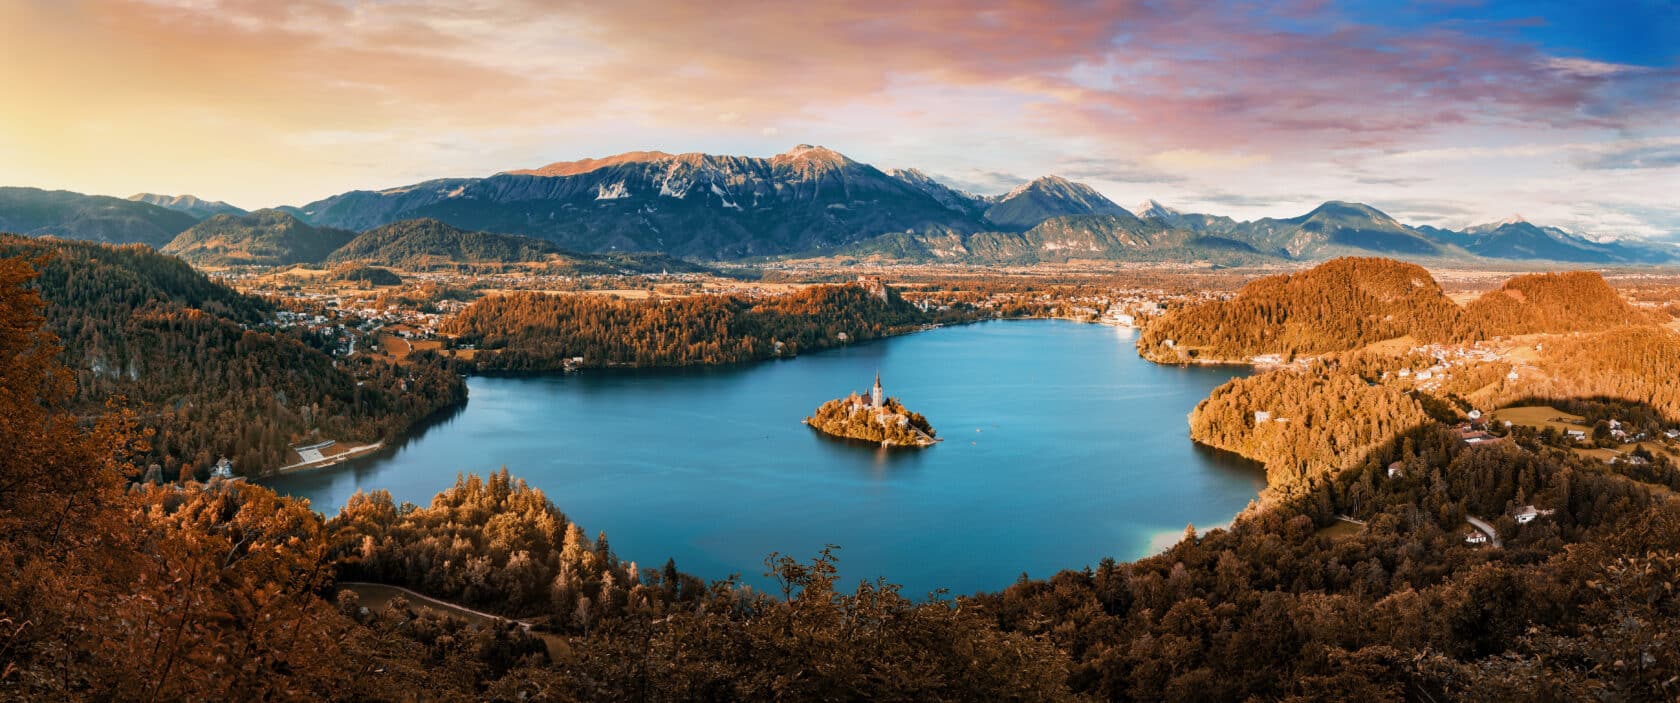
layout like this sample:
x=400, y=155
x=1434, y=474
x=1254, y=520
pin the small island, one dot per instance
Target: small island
x=873, y=418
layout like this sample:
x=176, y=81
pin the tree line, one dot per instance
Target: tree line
x=538, y=331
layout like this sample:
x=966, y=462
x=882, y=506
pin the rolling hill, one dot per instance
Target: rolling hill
x=1347, y=303
x=261, y=238
x=1338, y=305
x=423, y=244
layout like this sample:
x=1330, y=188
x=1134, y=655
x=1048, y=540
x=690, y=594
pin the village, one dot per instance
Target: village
x=395, y=321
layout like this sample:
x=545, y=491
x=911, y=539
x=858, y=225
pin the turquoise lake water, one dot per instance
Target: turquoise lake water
x=1061, y=447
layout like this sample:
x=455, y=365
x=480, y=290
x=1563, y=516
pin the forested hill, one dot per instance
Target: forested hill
x=429, y=244
x=188, y=355
x=536, y=331
x=426, y=243
x=1347, y=303
x=35, y=212
x=1338, y=305
x=261, y=238
x=1576, y=301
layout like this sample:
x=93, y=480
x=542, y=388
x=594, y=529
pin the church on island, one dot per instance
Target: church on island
x=876, y=400
x=873, y=417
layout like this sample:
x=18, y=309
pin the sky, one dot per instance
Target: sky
x=1441, y=112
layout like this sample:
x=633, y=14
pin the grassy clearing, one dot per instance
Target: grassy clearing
x=1539, y=417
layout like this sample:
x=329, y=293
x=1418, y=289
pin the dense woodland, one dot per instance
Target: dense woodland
x=1612, y=364
x=1576, y=606
x=1303, y=425
x=184, y=352
x=226, y=591
x=537, y=331
x=1575, y=301
x=845, y=417
x=1347, y=303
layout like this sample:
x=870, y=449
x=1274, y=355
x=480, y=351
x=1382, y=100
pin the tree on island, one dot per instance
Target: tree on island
x=874, y=418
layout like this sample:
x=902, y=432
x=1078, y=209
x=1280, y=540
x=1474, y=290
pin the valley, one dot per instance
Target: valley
x=1190, y=433
x=656, y=352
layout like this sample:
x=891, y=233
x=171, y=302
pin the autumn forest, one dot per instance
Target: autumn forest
x=132, y=574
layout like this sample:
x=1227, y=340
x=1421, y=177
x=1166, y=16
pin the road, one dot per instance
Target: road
x=1478, y=523
x=376, y=595
x=365, y=589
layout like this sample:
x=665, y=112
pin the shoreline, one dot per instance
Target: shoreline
x=923, y=443
x=562, y=371
x=334, y=460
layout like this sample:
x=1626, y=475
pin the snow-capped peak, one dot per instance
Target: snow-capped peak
x=807, y=153
x=1047, y=184
x=1514, y=219
x=1153, y=208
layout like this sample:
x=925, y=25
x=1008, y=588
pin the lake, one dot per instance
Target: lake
x=1061, y=447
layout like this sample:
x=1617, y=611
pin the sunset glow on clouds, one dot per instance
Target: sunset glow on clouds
x=1444, y=112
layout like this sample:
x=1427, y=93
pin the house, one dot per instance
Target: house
x=1672, y=434
x=1578, y=435
x=1262, y=416
x=223, y=469
x=1528, y=513
x=1468, y=434
x=1397, y=469
x=1475, y=537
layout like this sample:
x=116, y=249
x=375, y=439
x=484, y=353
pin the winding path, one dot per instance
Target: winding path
x=558, y=650
x=362, y=586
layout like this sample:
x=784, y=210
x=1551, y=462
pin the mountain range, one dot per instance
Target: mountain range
x=813, y=202
x=189, y=204
x=94, y=218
